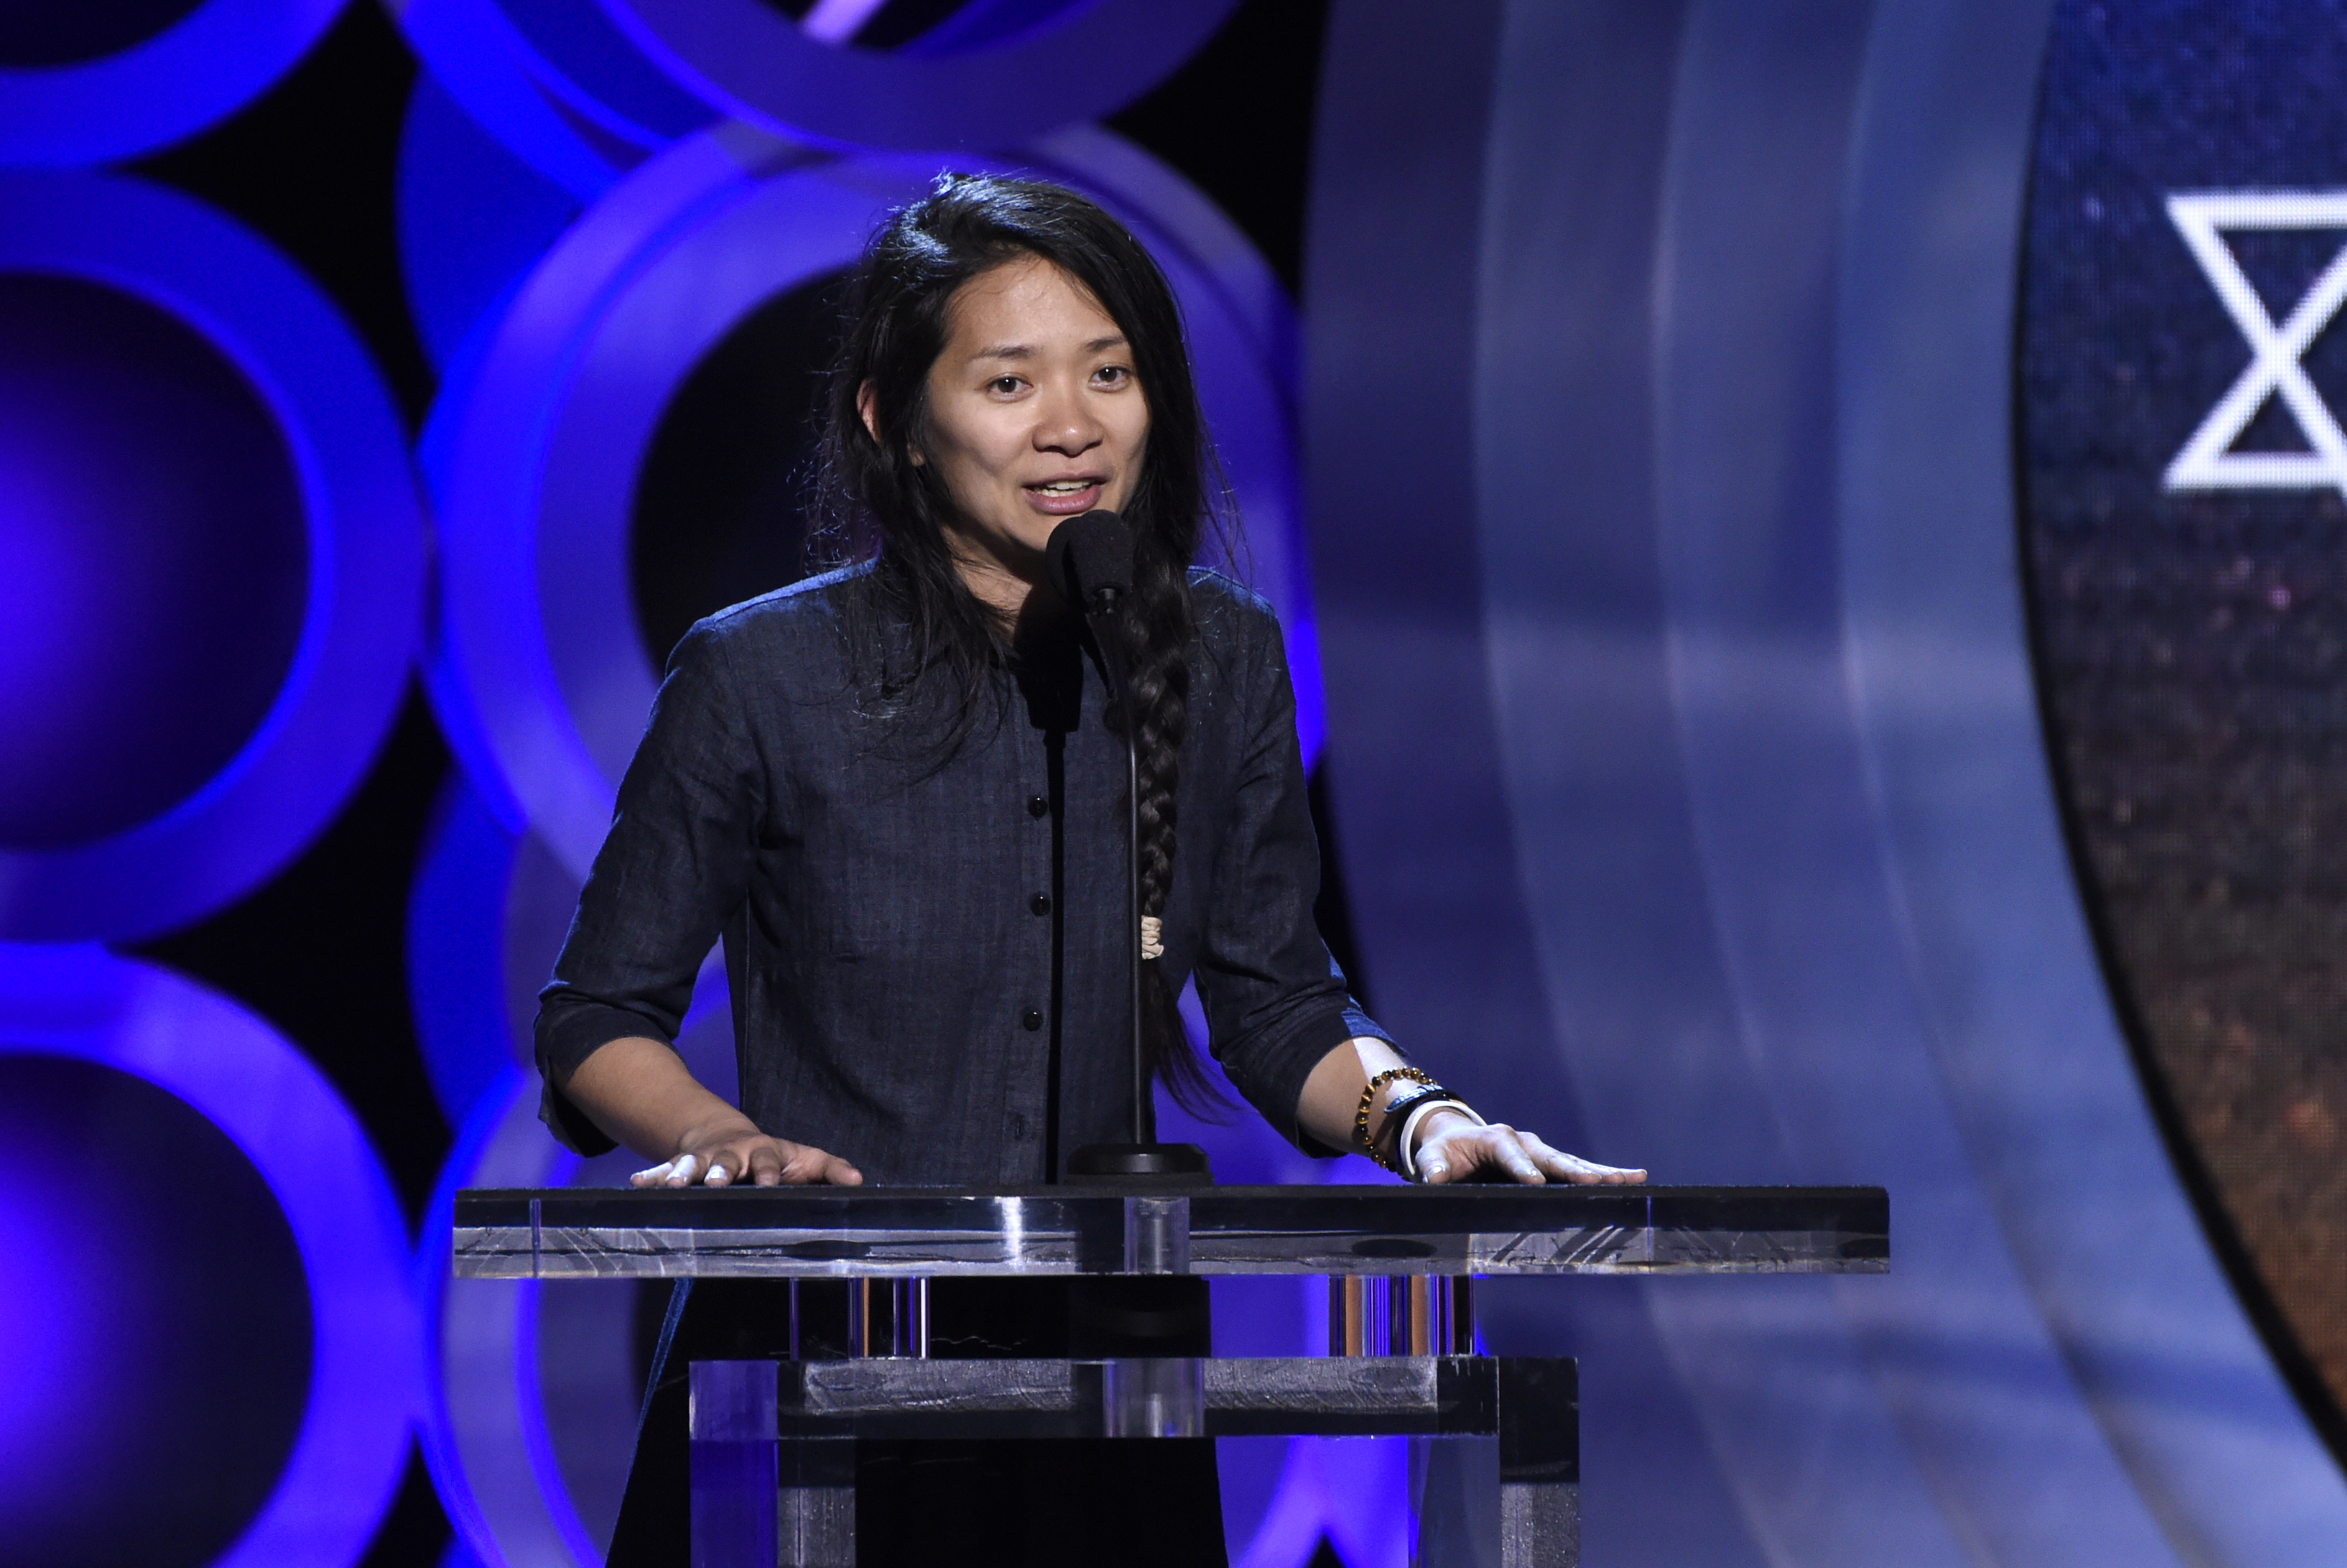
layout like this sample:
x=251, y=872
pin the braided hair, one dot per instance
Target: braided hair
x=889, y=509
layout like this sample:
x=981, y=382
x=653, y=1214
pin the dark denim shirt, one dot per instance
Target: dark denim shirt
x=927, y=959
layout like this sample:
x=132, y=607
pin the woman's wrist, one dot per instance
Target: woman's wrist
x=1369, y=1136
x=1425, y=1123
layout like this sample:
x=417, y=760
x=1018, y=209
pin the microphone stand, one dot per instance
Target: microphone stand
x=1144, y=1161
x=1144, y=1119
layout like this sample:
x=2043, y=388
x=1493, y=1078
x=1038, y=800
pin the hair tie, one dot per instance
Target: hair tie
x=1153, y=936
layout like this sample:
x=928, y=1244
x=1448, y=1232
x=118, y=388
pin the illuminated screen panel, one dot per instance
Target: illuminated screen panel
x=2183, y=483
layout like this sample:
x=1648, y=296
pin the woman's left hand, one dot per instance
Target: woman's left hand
x=1453, y=1148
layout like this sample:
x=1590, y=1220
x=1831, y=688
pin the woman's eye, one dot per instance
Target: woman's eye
x=1006, y=385
x=1113, y=374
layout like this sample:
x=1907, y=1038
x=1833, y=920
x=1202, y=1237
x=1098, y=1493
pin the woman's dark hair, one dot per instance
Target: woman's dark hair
x=888, y=507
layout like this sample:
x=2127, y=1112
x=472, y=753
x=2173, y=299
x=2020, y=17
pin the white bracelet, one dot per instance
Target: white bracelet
x=1419, y=1113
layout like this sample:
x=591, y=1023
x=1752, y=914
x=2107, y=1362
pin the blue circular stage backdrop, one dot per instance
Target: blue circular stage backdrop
x=1820, y=520
x=292, y=591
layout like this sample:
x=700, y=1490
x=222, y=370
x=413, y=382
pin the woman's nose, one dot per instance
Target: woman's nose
x=1064, y=424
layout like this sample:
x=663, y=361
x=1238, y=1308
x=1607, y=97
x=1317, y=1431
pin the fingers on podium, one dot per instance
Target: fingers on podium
x=664, y=1175
x=1507, y=1151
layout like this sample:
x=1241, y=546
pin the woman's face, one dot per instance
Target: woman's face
x=1035, y=414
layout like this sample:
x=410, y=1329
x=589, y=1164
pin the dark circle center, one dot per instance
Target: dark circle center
x=154, y=563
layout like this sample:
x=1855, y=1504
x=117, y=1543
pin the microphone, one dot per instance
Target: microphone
x=1090, y=560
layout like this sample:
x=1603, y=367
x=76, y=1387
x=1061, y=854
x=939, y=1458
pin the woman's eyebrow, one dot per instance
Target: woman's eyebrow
x=1024, y=351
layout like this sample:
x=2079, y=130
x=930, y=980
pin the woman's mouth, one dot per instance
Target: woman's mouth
x=1066, y=498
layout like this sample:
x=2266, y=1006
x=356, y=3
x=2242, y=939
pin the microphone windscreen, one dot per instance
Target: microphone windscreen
x=1089, y=553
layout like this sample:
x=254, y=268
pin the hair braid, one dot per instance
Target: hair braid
x=1161, y=697
x=1160, y=629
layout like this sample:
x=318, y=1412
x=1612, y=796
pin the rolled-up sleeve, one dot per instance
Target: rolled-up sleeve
x=1276, y=1003
x=674, y=867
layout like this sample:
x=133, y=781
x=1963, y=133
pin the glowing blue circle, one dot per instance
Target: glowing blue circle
x=150, y=611
x=485, y=1435
x=457, y=975
x=537, y=450
x=555, y=81
x=474, y=217
x=755, y=63
x=365, y=529
x=86, y=1004
x=201, y=68
x=598, y=73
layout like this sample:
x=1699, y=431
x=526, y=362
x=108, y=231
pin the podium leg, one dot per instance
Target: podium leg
x=760, y=1501
x=1540, y=1462
x=1454, y=1492
x=735, y=1461
x=816, y=1510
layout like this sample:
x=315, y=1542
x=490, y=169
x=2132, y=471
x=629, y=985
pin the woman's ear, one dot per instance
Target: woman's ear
x=867, y=407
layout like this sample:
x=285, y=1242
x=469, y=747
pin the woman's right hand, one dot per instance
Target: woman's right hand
x=727, y=1157
x=638, y=1089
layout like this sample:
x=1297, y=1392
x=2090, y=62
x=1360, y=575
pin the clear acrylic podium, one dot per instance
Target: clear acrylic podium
x=1496, y=1460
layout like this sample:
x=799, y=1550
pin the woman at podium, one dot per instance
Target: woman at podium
x=898, y=793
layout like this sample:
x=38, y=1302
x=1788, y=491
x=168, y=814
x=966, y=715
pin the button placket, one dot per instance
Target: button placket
x=1026, y=1109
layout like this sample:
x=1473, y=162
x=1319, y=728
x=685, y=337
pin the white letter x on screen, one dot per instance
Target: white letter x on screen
x=2205, y=464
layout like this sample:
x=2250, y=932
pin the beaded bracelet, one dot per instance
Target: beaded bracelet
x=1369, y=1096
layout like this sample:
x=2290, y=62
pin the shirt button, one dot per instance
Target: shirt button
x=1040, y=903
x=1031, y=1018
x=1036, y=806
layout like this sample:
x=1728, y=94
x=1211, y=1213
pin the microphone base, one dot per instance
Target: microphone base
x=1140, y=1165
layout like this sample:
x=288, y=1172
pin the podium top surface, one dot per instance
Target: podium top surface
x=571, y=1233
